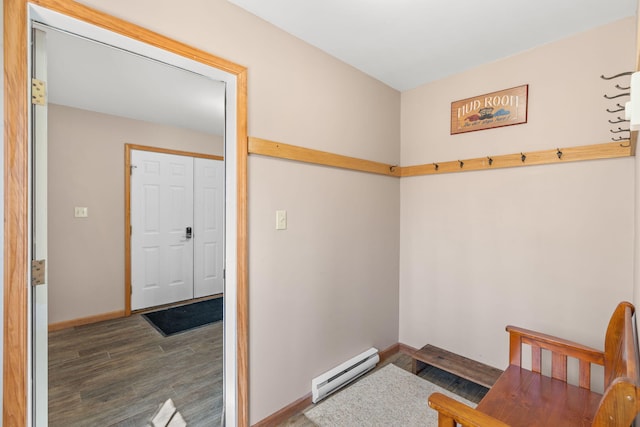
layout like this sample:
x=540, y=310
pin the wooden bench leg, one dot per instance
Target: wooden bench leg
x=444, y=421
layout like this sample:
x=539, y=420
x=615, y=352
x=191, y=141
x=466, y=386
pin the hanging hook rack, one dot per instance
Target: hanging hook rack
x=620, y=120
x=620, y=108
x=617, y=96
x=627, y=73
x=619, y=130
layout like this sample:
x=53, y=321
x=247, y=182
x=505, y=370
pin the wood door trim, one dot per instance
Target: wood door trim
x=172, y=151
x=16, y=187
x=127, y=207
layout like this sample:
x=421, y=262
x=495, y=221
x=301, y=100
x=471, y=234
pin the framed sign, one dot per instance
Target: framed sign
x=496, y=109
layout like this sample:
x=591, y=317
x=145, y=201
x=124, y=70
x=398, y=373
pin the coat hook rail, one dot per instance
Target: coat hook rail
x=627, y=73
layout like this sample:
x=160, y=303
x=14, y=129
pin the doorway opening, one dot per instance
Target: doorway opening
x=74, y=18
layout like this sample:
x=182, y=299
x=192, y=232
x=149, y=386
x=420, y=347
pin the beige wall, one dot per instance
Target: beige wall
x=86, y=168
x=545, y=247
x=327, y=287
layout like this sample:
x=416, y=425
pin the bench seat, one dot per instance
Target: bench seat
x=538, y=400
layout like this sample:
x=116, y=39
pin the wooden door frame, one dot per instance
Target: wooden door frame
x=127, y=207
x=16, y=187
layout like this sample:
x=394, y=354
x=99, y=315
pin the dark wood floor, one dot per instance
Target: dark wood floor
x=117, y=373
x=453, y=383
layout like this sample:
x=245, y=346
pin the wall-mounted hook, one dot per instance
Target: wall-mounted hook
x=392, y=168
x=626, y=146
x=436, y=166
x=618, y=138
x=623, y=87
x=616, y=96
x=620, y=120
x=559, y=153
x=523, y=157
x=620, y=108
x=628, y=73
x=619, y=130
x=490, y=161
x=461, y=163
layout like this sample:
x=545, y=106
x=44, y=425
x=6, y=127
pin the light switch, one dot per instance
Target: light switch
x=81, y=212
x=281, y=220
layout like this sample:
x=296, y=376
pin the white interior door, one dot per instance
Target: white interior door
x=39, y=292
x=208, y=227
x=161, y=222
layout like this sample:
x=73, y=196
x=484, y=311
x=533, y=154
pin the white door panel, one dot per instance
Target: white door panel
x=208, y=227
x=161, y=211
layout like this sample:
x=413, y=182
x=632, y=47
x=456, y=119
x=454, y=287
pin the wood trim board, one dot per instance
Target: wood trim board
x=86, y=320
x=607, y=150
x=307, y=155
x=15, y=361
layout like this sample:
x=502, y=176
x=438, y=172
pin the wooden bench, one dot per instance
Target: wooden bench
x=523, y=397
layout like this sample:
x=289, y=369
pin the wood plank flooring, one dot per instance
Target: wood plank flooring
x=118, y=372
x=453, y=383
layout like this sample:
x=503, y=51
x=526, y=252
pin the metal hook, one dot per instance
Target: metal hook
x=461, y=163
x=620, y=120
x=436, y=166
x=490, y=161
x=626, y=146
x=620, y=108
x=393, y=168
x=523, y=157
x=559, y=153
x=619, y=130
x=618, y=138
x=623, y=87
x=616, y=96
x=628, y=73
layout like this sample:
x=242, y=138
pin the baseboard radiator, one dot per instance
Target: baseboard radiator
x=341, y=375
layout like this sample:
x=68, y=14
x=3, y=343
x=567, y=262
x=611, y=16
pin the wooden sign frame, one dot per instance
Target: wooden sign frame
x=506, y=107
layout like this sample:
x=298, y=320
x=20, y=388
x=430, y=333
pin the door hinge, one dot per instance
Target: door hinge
x=38, y=92
x=37, y=272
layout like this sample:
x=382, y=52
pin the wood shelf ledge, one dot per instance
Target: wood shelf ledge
x=609, y=150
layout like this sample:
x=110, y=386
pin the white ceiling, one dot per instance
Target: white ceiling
x=406, y=43
x=93, y=76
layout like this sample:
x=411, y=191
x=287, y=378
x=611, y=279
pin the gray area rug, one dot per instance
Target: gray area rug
x=390, y=396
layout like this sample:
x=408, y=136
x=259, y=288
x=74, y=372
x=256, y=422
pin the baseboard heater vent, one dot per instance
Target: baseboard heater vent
x=341, y=375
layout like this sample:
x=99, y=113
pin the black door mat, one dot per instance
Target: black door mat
x=185, y=317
